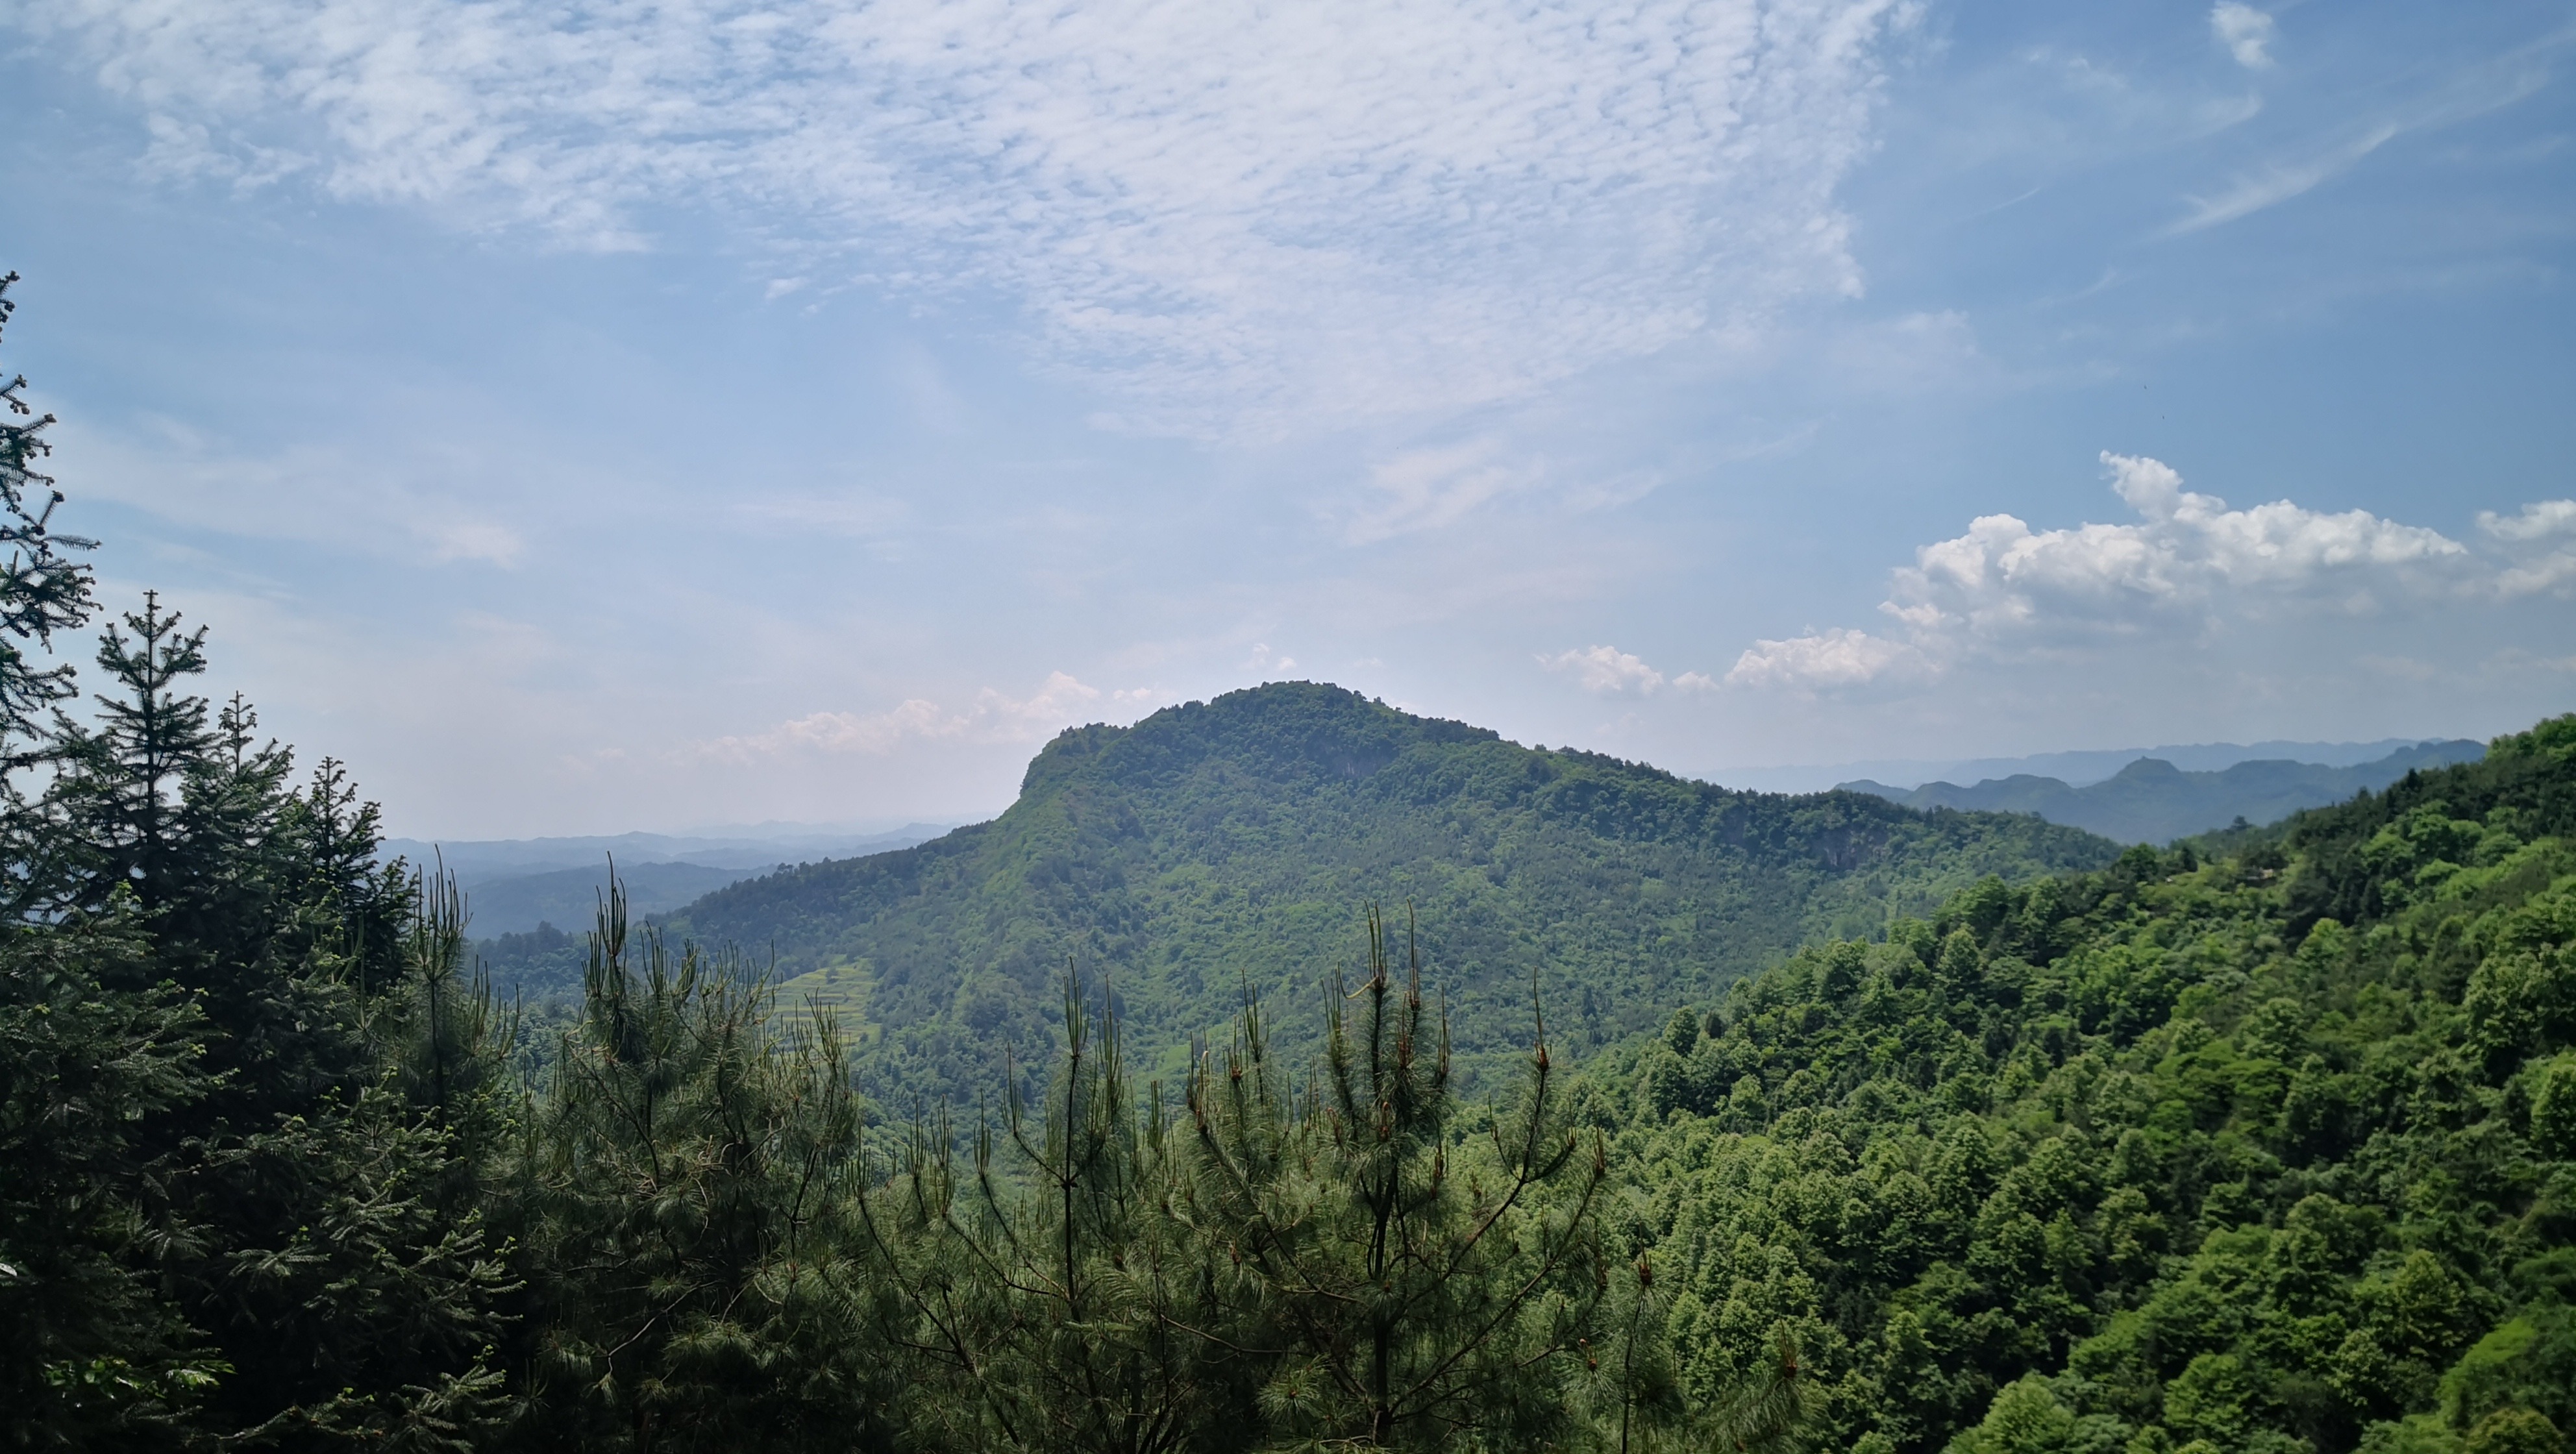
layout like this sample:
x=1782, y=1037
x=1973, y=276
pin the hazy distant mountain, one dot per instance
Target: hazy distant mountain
x=2154, y=801
x=2075, y=769
x=513, y=885
x=474, y=861
x=568, y=898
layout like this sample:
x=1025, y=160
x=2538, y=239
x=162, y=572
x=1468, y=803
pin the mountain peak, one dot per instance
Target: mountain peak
x=1280, y=730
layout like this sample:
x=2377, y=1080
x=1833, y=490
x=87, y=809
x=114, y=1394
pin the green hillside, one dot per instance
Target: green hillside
x=2272, y=1152
x=1228, y=843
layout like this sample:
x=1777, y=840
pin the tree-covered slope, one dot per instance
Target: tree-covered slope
x=1227, y=843
x=2274, y=1152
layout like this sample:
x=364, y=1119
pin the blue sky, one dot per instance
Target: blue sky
x=585, y=415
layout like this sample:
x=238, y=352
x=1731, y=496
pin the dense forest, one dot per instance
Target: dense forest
x=2260, y=1145
x=2261, y=1142
x=1225, y=845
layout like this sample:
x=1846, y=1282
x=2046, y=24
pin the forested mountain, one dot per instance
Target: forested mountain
x=1221, y=846
x=2274, y=1151
x=2152, y=801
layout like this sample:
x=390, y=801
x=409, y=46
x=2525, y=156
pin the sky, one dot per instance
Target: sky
x=584, y=416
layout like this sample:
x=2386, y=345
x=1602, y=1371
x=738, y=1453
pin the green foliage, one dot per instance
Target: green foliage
x=1226, y=842
x=1419, y=1299
x=682, y=1197
x=1054, y=1297
x=2158, y=1157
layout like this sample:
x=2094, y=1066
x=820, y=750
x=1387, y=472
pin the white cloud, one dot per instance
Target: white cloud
x=1059, y=702
x=1244, y=218
x=1612, y=672
x=1423, y=489
x=1835, y=657
x=2546, y=520
x=2462, y=94
x=2281, y=181
x=2245, y=31
x=2186, y=562
x=1267, y=664
x=2540, y=542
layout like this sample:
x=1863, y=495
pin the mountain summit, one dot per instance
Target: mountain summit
x=1229, y=846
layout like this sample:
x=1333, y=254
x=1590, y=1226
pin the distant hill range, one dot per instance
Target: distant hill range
x=2153, y=801
x=514, y=885
x=2079, y=768
x=1229, y=846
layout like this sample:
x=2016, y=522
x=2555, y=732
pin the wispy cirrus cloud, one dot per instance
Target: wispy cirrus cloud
x=2464, y=94
x=2278, y=182
x=1240, y=219
x=408, y=508
x=2187, y=561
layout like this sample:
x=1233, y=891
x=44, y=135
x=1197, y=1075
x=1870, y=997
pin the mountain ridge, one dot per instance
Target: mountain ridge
x=2152, y=800
x=1228, y=846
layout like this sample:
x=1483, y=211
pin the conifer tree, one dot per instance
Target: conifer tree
x=1418, y=1287
x=1050, y=1291
x=92, y=1053
x=684, y=1192
x=44, y=588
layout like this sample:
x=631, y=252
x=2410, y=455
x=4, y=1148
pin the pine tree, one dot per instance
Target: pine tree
x=1419, y=1290
x=685, y=1194
x=1054, y=1298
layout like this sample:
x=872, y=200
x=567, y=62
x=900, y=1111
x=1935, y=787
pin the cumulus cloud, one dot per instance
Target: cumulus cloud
x=1059, y=702
x=2185, y=562
x=1612, y=672
x=2540, y=543
x=1835, y=657
x=1243, y=218
x=2246, y=33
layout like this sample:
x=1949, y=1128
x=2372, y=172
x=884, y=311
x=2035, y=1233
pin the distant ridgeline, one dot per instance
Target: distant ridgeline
x=1225, y=845
x=530, y=901
x=2151, y=801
